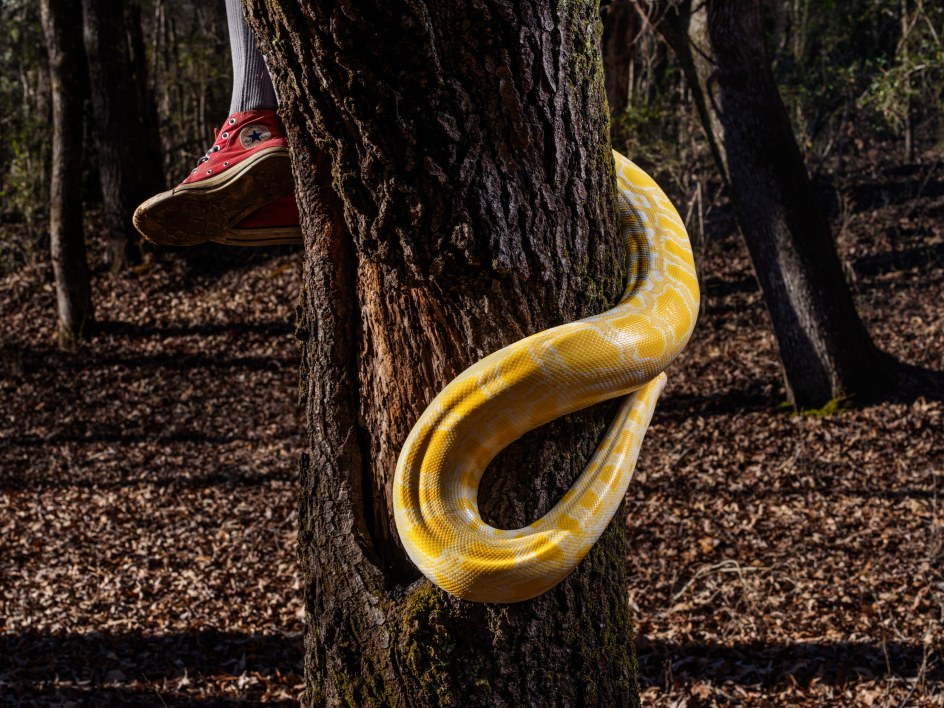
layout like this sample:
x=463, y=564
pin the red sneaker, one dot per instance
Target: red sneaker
x=274, y=224
x=246, y=168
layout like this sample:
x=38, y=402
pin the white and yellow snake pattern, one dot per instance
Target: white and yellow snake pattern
x=533, y=381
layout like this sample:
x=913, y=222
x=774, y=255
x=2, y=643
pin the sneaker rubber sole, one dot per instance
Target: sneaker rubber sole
x=278, y=236
x=207, y=210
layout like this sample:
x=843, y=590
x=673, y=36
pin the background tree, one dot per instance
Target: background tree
x=826, y=351
x=60, y=18
x=620, y=30
x=190, y=67
x=456, y=183
x=125, y=125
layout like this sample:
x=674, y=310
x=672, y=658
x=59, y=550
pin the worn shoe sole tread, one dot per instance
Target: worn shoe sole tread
x=278, y=236
x=203, y=211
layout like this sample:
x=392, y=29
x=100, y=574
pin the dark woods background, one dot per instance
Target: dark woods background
x=149, y=449
x=162, y=68
x=859, y=78
x=853, y=75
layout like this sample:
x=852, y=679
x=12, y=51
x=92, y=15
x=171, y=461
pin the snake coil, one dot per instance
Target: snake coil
x=621, y=352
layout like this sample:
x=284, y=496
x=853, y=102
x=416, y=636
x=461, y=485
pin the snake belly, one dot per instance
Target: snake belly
x=621, y=352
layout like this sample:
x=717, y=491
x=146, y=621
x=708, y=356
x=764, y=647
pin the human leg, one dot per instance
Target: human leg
x=252, y=86
x=241, y=191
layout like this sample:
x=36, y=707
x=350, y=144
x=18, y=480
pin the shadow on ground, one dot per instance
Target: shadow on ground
x=100, y=668
x=111, y=667
x=776, y=664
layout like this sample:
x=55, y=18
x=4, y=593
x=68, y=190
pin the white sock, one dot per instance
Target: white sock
x=252, y=87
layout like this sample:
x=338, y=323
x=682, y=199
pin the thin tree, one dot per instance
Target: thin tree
x=908, y=21
x=827, y=353
x=454, y=174
x=127, y=144
x=60, y=18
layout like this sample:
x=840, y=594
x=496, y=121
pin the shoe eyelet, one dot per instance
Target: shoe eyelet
x=225, y=164
x=232, y=121
x=224, y=135
x=209, y=172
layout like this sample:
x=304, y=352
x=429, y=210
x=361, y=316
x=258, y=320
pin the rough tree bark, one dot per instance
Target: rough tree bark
x=827, y=353
x=60, y=18
x=128, y=146
x=456, y=187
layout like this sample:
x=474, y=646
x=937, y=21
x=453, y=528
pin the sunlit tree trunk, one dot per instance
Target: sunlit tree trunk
x=61, y=20
x=684, y=28
x=456, y=187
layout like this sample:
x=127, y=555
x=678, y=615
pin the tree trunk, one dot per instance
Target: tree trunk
x=620, y=26
x=129, y=160
x=827, y=353
x=907, y=25
x=456, y=188
x=60, y=18
x=685, y=31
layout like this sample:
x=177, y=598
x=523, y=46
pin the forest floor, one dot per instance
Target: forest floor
x=147, y=486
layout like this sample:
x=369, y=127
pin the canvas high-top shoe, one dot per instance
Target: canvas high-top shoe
x=246, y=168
x=276, y=223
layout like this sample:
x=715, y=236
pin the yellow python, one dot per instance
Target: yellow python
x=528, y=383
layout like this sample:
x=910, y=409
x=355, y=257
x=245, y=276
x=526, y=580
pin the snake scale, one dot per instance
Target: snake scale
x=621, y=352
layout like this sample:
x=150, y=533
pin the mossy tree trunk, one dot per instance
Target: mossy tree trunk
x=60, y=20
x=826, y=352
x=456, y=187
